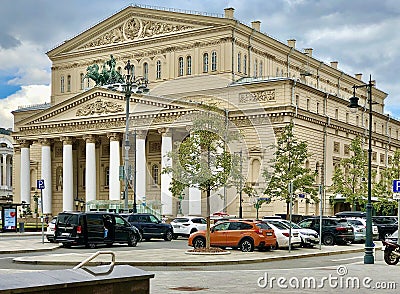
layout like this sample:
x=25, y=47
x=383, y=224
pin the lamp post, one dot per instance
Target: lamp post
x=369, y=245
x=137, y=86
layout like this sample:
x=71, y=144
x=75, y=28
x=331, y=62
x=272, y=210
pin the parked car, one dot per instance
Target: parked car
x=150, y=226
x=94, y=228
x=245, y=235
x=282, y=234
x=345, y=214
x=387, y=225
x=184, y=226
x=375, y=231
x=309, y=237
x=50, y=230
x=393, y=237
x=334, y=231
x=359, y=229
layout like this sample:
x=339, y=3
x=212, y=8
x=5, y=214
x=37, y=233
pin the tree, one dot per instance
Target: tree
x=350, y=176
x=202, y=161
x=383, y=189
x=257, y=200
x=289, y=166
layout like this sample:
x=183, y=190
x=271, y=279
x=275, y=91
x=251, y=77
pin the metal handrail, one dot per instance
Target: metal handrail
x=93, y=256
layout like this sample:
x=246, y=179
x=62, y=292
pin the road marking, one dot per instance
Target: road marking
x=349, y=258
x=7, y=257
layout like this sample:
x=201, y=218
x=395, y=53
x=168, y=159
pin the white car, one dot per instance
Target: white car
x=282, y=234
x=375, y=232
x=50, y=229
x=186, y=225
x=309, y=237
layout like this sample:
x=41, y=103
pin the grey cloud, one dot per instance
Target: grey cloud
x=7, y=41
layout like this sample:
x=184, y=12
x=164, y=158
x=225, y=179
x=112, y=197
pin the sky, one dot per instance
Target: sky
x=362, y=35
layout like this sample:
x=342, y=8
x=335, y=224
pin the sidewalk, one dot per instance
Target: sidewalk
x=179, y=257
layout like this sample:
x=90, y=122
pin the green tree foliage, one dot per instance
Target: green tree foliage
x=289, y=166
x=383, y=188
x=350, y=176
x=202, y=161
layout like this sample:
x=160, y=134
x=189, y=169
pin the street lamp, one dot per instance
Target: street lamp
x=369, y=245
x=137, y=86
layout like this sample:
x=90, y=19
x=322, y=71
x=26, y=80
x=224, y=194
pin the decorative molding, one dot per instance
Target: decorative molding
x=99, y=107
x=45, y=142
x=90, y=138
x=134, y=29
x=67, y=140
x=256, y=97
x=25, y=143
x=114, y=136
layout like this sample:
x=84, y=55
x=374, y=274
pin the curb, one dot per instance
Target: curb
x=29, y=250
x=195, y=263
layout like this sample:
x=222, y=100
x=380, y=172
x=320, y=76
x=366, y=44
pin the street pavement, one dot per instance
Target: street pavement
x=352, y=277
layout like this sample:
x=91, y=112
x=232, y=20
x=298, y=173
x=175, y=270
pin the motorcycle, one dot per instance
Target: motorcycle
x=392, y=252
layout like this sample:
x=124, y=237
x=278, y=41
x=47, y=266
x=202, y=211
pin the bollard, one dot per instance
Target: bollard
x=22, y=227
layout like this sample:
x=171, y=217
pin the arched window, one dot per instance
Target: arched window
x=189, y=65
x=308, y=104
x=82, y=81
x=180, y=66
x=205, y=62
x=245, y=64
x=62, y=84
x=255, y=68
x=158, y=70
x=68, y=83
x=239, y=62
x=213, y=61
x=107, y=176
x=261, y=69
x=145, y=70
x=154, y=174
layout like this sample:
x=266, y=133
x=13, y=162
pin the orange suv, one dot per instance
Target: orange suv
x=242, y=234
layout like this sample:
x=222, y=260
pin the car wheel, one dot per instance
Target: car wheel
x=66, y=245
x=175, y=237
x=132, y=240
x=168, y=236
x=328, y=240
x=390, y=257
x=90, y=245
x=246, y=245
x=199, y=242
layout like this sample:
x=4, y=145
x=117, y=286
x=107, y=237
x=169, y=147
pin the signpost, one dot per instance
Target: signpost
x=396, y=196
x=40, y=185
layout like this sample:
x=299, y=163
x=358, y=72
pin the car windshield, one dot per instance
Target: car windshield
x=294, y=225
x=279, y=225
x=68, y=219
x=180, y=220
x=263, y=226
x=355, y=222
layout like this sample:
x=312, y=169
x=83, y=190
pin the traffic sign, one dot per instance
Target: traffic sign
x=40, y=184
x=396, y=186
x=396, y=196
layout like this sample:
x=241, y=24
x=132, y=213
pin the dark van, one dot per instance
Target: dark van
x=93, y=228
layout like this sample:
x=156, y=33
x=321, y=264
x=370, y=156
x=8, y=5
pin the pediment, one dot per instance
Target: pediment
x=134, y=24
x=98, y=103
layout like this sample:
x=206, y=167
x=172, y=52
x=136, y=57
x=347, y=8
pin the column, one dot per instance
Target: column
x=4, y=171
x=67, y=181
x=46, y=176
x=166, y=179
x=141, y=169
x=25, y=172
x=194, y=198
x=115, y=186
x=90, y=170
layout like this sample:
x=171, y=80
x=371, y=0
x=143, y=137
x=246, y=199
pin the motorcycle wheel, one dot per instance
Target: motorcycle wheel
x=390, y=257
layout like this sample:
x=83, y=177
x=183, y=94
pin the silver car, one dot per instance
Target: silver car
x=309, y=237
x=359, y=230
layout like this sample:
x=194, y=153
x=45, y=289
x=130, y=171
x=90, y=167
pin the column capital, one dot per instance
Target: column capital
x=17, y=149
x=45, y=141
x=165, y=132
x=114, y=136
x=141, y=134
x=90, y=138
x=67, y=140
x=25, y=143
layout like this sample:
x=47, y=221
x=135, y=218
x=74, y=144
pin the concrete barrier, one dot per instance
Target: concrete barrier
x=100, y=279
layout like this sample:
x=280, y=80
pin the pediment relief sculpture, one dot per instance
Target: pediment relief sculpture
x=135, y=28
x=99, y=107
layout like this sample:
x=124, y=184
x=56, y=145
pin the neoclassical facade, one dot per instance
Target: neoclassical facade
x=257, y=83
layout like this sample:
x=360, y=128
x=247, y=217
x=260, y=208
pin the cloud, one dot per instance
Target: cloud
x=7, y=41
x=28, y=95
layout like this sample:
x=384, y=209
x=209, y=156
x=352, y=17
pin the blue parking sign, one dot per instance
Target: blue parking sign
x=40, y=184
x=396, y=186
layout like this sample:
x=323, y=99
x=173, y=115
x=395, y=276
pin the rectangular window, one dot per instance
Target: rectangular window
x=189, y=65
x=239, y=62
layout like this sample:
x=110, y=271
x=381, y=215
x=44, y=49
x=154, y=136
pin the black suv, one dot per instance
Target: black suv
x=387, y=225
x=150, y=226
x=93, y=228
x=334, y=231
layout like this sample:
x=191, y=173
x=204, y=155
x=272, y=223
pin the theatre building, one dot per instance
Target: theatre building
x=75, y=143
